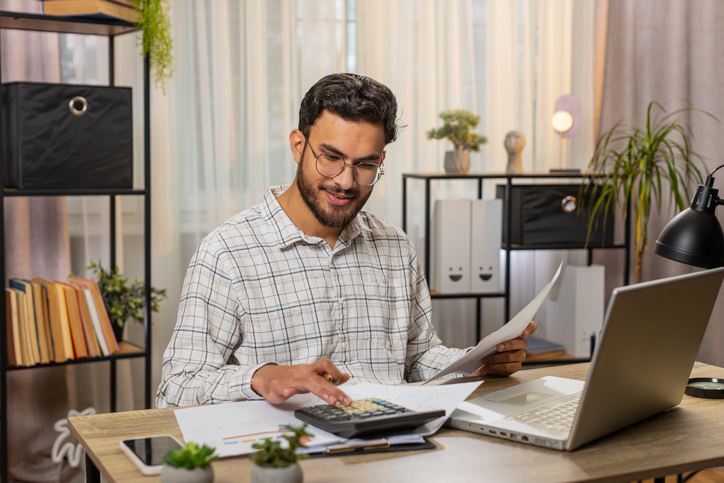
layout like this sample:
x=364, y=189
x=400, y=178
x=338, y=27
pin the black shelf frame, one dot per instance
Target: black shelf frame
x=509, y=179
x=110, y=28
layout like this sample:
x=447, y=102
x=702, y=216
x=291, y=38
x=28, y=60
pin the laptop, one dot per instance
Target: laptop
x=650, y=338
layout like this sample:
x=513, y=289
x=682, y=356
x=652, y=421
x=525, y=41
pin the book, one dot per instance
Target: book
x=12, y=321
x=128, y=3
x=28, y=359
x=54, y=318
x=64, y=322
x=40, y=299
x=91, y=8
x=105, y=321
x=90, y=303
x=29, y=318
x=91, y=338
x=77, y=331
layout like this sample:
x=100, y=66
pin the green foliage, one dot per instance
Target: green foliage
x=638, y=162
x=271, y=453
x=124, y=301
x=456, y=128
x=157, y=44
x=190, y=456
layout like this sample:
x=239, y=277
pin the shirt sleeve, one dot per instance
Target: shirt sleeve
x=426, y=355
x=198, y=364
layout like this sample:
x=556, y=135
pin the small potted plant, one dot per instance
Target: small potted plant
x=189, y=464
x=457, y=128
x=124, y=301
x=276, y=460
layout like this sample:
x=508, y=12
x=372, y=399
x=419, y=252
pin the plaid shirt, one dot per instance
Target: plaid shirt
x=259, y=290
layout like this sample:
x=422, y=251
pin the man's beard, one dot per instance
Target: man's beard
x=340, y=216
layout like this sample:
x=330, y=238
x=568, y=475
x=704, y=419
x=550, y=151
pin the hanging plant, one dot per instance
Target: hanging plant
x=156, y=40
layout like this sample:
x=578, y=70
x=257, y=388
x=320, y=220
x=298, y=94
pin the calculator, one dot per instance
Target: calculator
x=365, y=417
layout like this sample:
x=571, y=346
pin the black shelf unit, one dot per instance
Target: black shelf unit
x=110, y=28
x=509, y=179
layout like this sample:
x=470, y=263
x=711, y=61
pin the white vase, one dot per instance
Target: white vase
x=286, y=474
x=174, y=474
x=457, y=162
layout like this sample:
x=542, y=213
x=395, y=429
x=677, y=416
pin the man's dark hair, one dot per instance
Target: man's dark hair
x=352, y=97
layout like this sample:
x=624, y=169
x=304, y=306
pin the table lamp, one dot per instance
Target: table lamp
x=695, y=237
x=562, y=122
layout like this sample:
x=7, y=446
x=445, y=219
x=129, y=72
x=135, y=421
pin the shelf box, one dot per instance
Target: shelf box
x=60, y=136
x=547, y=214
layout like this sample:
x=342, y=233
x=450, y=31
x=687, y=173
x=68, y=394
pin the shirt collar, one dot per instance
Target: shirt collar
x=287, y=233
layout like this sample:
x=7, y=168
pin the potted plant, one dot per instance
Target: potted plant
x=188, y=464
x=643, y=162
x=457, y=128
x=155, y=24
x=124, y=301
x=276, y=460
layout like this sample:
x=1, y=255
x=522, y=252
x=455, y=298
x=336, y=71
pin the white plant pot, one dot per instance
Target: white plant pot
x=287, y=474
x=173, y=474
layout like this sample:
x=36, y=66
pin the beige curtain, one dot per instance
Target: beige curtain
x=36, y=244
x=668, y=51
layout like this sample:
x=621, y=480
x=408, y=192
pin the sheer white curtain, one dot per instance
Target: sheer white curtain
x=220, y=137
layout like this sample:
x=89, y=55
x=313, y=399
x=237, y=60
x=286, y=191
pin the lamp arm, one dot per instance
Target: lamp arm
x=715, y=170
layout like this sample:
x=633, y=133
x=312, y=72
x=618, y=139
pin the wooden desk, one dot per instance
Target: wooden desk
x=686, y=438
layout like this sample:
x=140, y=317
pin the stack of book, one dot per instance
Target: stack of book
x=121, y=9
x=56, y=321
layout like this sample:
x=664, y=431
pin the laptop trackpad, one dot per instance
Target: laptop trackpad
x=522, y=399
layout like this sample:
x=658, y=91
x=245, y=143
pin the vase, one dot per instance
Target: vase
x=118, y=332
x=457, y=161
x=286, y=474
x=175, y=474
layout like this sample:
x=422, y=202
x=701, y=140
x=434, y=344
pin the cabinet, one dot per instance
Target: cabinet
x=506, y=245
x=109, y=28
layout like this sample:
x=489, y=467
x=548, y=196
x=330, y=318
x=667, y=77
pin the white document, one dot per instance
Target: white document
x=232, y=428
x=512, y=330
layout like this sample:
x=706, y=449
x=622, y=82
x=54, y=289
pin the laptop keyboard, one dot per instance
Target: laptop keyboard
x=557, y=416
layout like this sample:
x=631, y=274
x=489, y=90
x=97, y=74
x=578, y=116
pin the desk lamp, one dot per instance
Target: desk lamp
x=562, y=122
x=695, y=237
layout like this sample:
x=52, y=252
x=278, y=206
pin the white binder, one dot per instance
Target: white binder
x=450, y=267
x=486, y=233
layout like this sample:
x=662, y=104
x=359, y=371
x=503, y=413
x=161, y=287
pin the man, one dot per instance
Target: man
x=305, y=286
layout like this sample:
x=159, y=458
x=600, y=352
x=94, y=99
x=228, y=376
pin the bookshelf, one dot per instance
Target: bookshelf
x=509, y=180
x=87, y=26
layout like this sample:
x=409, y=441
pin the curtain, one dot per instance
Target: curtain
x=668, y=51
x=220, y=137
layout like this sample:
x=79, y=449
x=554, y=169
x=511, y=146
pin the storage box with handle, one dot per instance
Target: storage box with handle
x=61, y=136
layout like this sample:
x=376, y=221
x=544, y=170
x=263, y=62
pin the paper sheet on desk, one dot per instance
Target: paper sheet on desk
x=512, y=330
x=232, y=428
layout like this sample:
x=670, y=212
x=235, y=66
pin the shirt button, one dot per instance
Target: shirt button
x=352, y=380
x=344, y=345
x=341, y=301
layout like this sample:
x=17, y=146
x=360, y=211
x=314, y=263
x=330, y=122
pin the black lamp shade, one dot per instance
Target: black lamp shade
x=693, y=237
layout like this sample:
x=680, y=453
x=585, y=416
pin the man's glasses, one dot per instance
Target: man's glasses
x=330, y=165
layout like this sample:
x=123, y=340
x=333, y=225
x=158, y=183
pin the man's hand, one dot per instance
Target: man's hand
x=278, y=383
x=510, y=356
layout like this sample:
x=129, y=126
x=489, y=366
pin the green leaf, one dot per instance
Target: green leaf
x=641, y=163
